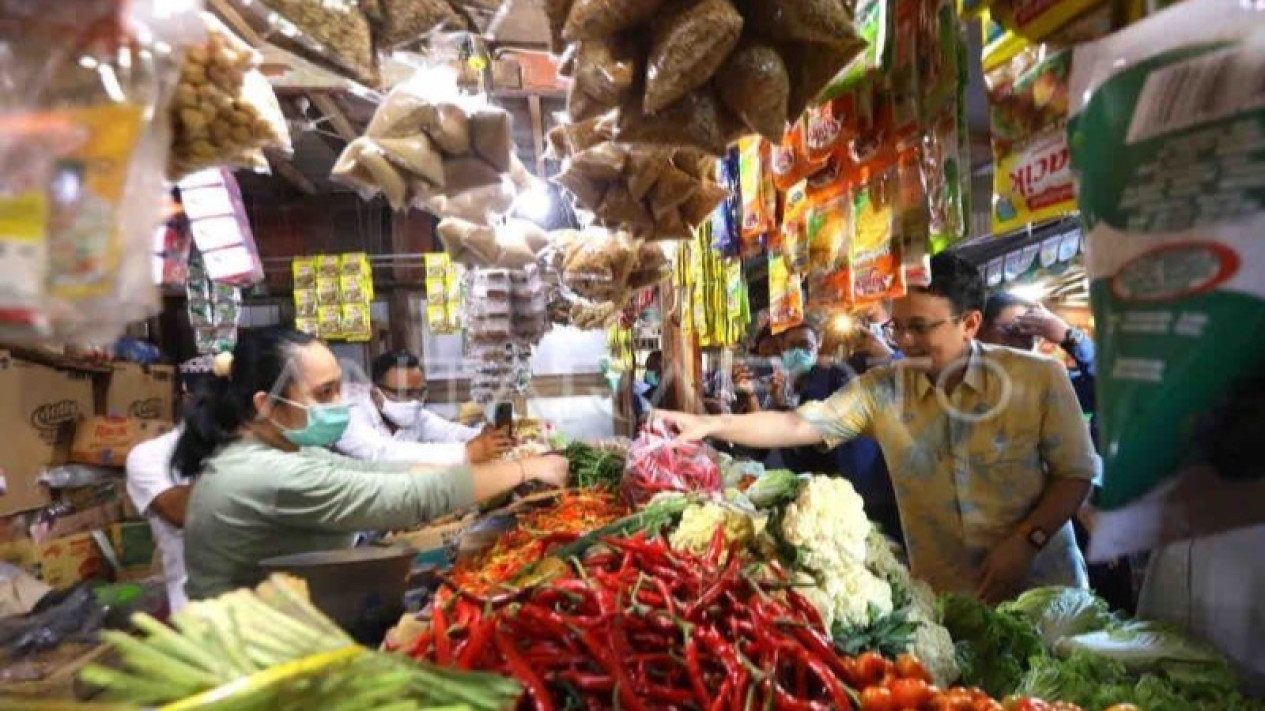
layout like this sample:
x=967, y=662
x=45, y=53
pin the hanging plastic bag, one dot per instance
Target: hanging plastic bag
x=659, y=462
x=691, y=39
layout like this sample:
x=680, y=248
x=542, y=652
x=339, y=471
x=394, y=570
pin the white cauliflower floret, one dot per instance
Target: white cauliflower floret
x=700, y=521
x=933, y=646
x=827, y=523
x=856, y=592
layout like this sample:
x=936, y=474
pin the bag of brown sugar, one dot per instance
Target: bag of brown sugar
x=595, y=19
x=605, y=161
x=604, y=74
x=811, y=67
x=692, y=121
x=673, y=189
x=756, y=85
x=703, y=203
x=824, y=21
x=692, y=38
x=490, y=137
x=461, y=174
x=449, y=126
x=619, y=207
x=645, y=167
x=588, y=192
x=416, y=154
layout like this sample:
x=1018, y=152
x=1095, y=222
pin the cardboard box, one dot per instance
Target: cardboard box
x=37, y=404
x=62, y=562
x=106, y=441
x=142, y=392
x=134, y=544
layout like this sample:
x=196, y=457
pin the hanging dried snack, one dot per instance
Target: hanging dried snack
x=449, y=127
x=385, y=176
x=692, y=38
x=698, y=207
x=572, y=138
x=756, y=85
x=823, y=21
x=673, y=188
x=811, y=67
x=417, y=155
x=588, y=192
x=590, y=19
x=692, y=121
x=672, y=227
x=461, y=174
x=405, y=21
x=339, y=27
x=605, y=161
x=645, y=166
x=349, y=170
x=604, y=74
x=619, y=208
x=694, y=162
x=403, y=113
x=490, y=137
x=556, y=12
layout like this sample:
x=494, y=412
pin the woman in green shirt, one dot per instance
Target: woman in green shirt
x=265, y=484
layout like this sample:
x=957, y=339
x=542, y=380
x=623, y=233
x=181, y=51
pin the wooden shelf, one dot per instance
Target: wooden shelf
x=56, y=360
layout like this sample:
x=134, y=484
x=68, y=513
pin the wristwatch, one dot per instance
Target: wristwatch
x=1072, y=339
x=1036, y=537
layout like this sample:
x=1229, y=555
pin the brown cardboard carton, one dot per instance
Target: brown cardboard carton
x=106, y=441
x=62, y=562
x=142, y=392
x=36, y=404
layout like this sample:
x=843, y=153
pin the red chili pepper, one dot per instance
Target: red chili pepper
x=722, y=696
x=695, y=667
x=524, y=673
x=707, y=599
x=613, y=666
x=422, y=646
x=716, y=548
x=668, y=598
x=443, y=645
x=473, y=648
x=589, y=682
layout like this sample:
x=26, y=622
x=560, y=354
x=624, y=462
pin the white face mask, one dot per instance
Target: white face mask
x=402, y=414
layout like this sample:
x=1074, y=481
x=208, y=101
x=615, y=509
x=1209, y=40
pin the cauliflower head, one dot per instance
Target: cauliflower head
x=848, y=596
x=700, y=521
x=933, y=646
x=827, y=524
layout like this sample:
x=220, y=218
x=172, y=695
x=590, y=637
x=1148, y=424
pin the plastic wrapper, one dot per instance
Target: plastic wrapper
x=754, y=83
x=786, y=295
x=789, y=159
x=811, y=67
x=490, y=138
x=1159, y=119
x=658, y=462
x=83, y=156
x=72, y=615
x=597, y=267
x=692, y=121
x=691, y=40
x=874, y=27
x=875, y=245
x=604, y=73
x=336, y=31
x=479, y=205
x=416, y=154
x=406, y=21
x=575, y=137
x=596, y=19
x=813, y=21
x=757, y=218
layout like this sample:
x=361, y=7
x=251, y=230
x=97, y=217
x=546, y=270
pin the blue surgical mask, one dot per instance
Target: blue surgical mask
x=652, y=378
x=325, y=424
x=798, y=361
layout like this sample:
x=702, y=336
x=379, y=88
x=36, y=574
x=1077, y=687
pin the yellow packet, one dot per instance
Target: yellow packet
x=329, y=321
x=355, y=324
x=304, y=270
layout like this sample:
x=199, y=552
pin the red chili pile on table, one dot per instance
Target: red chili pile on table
x=638, y=625
x=659, y=462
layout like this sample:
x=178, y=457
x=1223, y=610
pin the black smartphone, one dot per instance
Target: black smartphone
x=503, y=418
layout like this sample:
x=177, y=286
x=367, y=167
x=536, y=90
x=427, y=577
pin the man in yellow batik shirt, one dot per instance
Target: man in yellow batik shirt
x=987, y=448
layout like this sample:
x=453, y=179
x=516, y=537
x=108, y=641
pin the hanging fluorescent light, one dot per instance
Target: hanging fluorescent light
x=1030, y=291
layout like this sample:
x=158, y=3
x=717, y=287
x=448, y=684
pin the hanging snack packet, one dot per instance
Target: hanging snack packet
x=304, y=270
x=692, y=38
x=874, y=253
x=873, y=25
x=799, y=21
x=604, y=74
x=596, y=19
x=786, y=295
x=790, y=159
x=913, y=221
x=1032, y=179
x=827, y=222
x=1165, y=140
x=756, y=218
x=794, y=228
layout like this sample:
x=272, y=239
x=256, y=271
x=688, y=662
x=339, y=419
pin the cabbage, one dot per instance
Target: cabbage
x=1142, y=646
x=1059, y=612
x=774, y=488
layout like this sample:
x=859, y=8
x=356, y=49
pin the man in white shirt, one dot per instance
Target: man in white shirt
x=162, y=496
x=390, y=422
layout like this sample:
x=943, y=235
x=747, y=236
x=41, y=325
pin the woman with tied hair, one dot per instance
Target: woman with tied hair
x=265, y=484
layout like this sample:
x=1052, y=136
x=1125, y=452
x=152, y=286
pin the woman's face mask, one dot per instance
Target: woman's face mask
x=652, y=378
x=325, y=424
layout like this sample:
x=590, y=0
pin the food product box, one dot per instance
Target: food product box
x=143, y=392
x=106, y=441
x=37, y=403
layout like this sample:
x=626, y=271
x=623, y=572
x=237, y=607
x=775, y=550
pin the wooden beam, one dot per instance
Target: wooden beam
x=329, y=107
x=234, y=20
x=537, y=134
x=284, y=168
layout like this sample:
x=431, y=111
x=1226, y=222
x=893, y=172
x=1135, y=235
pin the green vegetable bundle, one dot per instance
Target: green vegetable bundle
x=593, y=468
x=993, y=648
x=272, y=649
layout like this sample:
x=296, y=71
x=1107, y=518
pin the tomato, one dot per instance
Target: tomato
x=987, y=704
x=871, y=668
x=1123, y=707
x=1026, y=703
x=876, y=698
x=908, y=667
x=951, y=700
x=911, y=693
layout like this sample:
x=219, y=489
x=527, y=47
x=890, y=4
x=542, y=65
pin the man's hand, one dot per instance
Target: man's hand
x=552, y=469
x=690, y=428
x=744, y=381
x=489, y=445
x=1005, y=569
x=777, y=388
x=1041, y=322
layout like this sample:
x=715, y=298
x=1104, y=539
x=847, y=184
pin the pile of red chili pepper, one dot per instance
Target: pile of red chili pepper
x=571, y=516
x=637, y=625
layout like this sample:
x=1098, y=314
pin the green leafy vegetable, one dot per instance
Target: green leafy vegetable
x=776, y=487
x=994, y=648
x=1060, y=612
x=1145, y=646
x=1095, y=683
x=890, y=635
x=593, y=468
